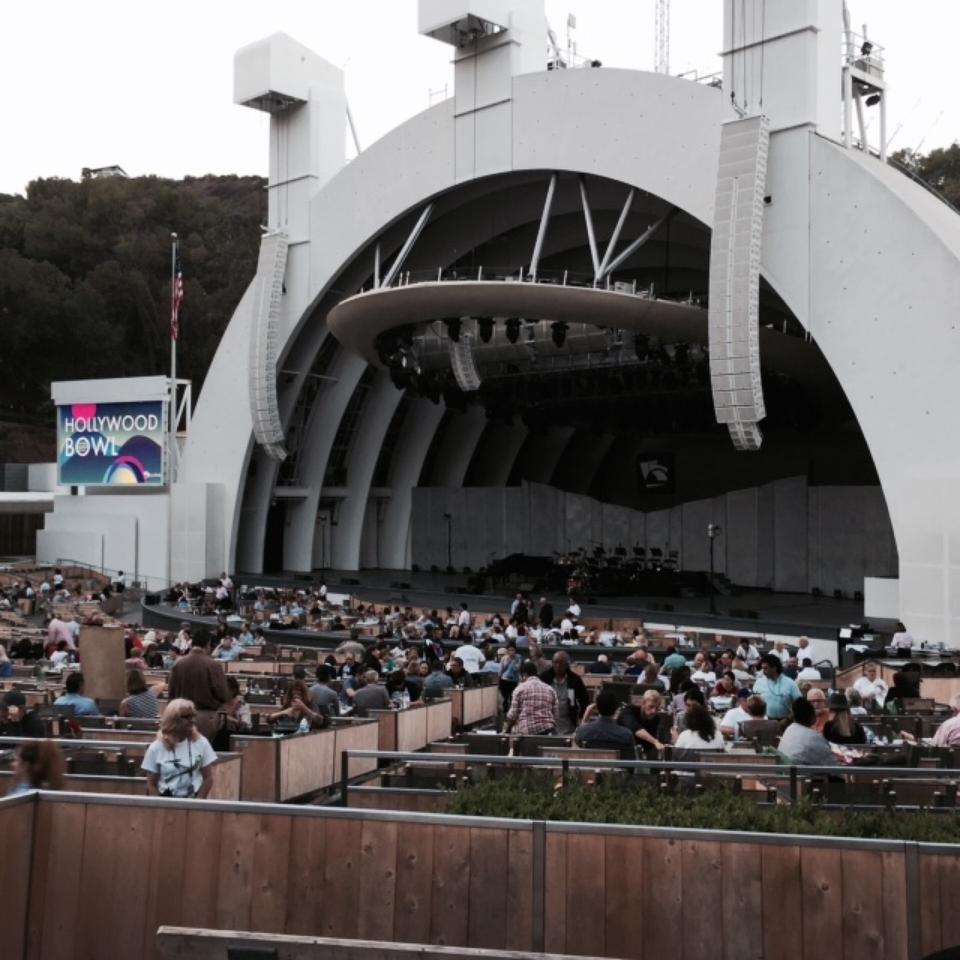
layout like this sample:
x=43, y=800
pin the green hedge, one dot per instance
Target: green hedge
x=625, y=801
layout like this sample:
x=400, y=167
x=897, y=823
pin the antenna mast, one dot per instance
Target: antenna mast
x=661, y=52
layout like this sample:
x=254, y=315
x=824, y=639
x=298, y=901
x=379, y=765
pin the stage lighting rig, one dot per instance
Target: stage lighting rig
x=558, y=333
x=453, y=326
x=513, y=329
x=485, y=329
x=463, y=364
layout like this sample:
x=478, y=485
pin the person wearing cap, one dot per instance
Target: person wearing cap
x=778, y=692
x=602, y=665
x=842, y=726
x=16, y=720
x=737, y=714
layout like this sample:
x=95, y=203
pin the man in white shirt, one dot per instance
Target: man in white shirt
x=871, y=687
x=574, y=609
x=808, y=671
x=803, y=650
x=781, y=652
x=730, y=724
x=748, y=653
x=471, y=657
x=463, y=619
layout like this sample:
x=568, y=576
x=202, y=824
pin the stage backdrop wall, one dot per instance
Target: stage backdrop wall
x=784, y=535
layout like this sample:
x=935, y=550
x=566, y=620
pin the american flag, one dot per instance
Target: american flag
x=176, y=298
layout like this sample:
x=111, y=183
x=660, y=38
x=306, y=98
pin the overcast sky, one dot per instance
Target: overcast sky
x=149, y=86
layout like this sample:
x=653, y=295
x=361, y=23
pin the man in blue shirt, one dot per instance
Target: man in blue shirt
x=227, y=649
x=82, y=706
x=777, y=689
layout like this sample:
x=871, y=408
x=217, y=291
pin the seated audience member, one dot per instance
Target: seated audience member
x=73, y=697
x=16, y=720
x=296, y=707
x=842, y=727
x=736, y=715
x=906, y=686
x=141, y=701
x=819, y=700
x=748, y=653
x=872, y=687
x=651, y=678
x=600, y=730
x=437, y=682
x=471, y=657
x=457, y=672
x=60, y=657
x=227, y=649
x=673, y=661
x=650, y=727
x=703, y=671
x=801, y=743
x=602, y=665
x=948, y=733
x=759, y=727
x=323, y=698
x=237, y=717
x=726, y=686
x=857, y=709
x=372, y=695
x=808, y=671
x=701, y=731
x=38, y=766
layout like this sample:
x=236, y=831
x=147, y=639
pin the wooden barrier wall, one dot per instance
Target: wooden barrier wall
x=474, y=706
x=412, y=729
x=602, y=890
x=276, y=769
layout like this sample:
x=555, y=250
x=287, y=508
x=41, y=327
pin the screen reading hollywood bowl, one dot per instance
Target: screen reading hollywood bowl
x=111, y=444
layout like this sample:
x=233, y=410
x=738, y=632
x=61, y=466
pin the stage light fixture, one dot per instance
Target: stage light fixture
x=873, y=100
x=558, y=333
x=641, y=346
x=485, y=329
x=453, y=328
x=513, y=329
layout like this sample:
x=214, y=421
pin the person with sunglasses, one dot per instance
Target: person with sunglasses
x=179, y=763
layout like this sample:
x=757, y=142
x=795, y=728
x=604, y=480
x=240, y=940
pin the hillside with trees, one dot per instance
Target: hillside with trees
x=85, y=281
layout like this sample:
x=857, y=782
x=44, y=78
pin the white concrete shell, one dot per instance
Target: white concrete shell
x=867, y=261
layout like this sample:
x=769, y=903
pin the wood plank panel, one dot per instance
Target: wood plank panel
x=439, y=721
x=555, y=894
x=894, y=905
x=949, y=900
x=623, y=882
x=62, y=877
x=305, y=763
x=168, y=836
x=358, y=736
x=414, y=884
x=305, y=877
x=781, y=886
x=16, y=835
x=862, y=893
x=341, y=879
x=411, y=729
x=200, y=869
x=821, y=880
x=662, y=898
x=227, y=774
x=451, y=883
x=123, y=915
x=742, y=899
x=271, y=858
x=702, y=869
x=378, y=880
x=930, y=935
x=519, y=925
x=36, y=907
x=234, y=888
x=586, y=928
x=258, y=777
x=487, y=899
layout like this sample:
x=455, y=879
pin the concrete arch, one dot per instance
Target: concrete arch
x=368, y=439
x=423, y=419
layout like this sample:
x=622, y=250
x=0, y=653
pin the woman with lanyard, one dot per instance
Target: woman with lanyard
x=179, y=763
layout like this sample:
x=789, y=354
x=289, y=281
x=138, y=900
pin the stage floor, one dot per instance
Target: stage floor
x=788, y=613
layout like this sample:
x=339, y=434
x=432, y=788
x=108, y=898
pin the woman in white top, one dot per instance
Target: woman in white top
x=701, y=732
x=179, y=763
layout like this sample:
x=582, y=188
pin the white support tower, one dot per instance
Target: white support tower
x=661, y=53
